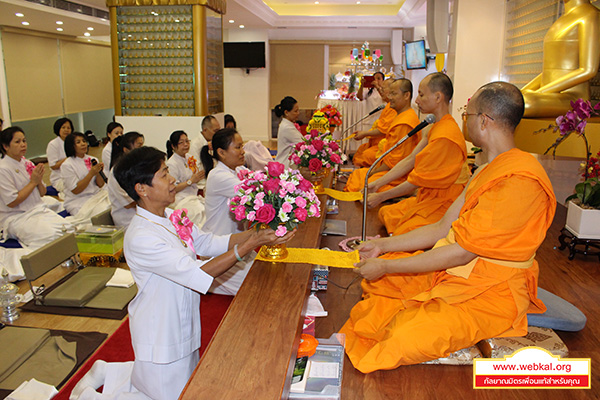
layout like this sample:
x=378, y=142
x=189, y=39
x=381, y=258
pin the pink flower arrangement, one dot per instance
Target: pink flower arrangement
x=316, y=152
x=332, y=114
x=88, y=163
x=29, y=166
x=277, y=196
x=183, y=226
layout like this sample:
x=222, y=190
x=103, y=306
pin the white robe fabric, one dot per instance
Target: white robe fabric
x=55, y=151
x=164, y=316
x=373, y=101
x=11, y=260
x=106, y=155
x=31, y=222
x=118, y=200
x=73, y=170
x=287, y=137
x=257, y=155
x=188, y=198
x=220, y=187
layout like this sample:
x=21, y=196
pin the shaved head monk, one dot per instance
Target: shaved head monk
x=400, y=96
x=480, y=279
x=437, y=169
x=366, y=153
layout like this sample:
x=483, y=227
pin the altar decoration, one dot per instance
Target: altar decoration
x=333, y=116
x=365, y=59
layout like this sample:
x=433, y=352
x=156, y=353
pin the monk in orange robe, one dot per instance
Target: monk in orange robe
x=366, y=154
x=480, y=279
x=400, y=96
x=440, y=169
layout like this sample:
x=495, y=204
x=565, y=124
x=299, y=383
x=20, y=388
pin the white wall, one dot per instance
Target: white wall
x=247, y=95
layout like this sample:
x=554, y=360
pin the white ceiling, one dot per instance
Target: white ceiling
x=253, y=14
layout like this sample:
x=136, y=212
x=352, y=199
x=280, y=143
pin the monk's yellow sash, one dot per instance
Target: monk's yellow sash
x=330, y=258
x=464, y=271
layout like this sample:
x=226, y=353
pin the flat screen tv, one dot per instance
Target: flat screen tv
x=416, y=57
x=244, y=54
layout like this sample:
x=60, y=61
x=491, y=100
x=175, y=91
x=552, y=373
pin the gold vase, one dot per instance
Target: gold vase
x=273, y=252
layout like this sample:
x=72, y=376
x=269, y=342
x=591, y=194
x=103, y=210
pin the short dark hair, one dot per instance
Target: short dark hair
x=229, y=118
x=286, y=104
x=6, y=136
x=221, y=140
x=503, y=101
x=380, y=73
x=120, y=143
x=440, y=82
x=206, y=121
x=174, y=141
x=70, y=143
x=59, y=123
x=138, y=166
x=405, y=85
x=111, y=127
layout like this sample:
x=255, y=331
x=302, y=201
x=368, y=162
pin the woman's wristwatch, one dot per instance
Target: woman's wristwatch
x=189, y=182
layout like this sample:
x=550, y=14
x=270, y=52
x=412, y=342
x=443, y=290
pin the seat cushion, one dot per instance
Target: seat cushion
x=561, y=315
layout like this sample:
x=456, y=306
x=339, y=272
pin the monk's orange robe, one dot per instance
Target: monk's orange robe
x=508, y=208
x=366, y=154
x=440, y=171
x=402, y=124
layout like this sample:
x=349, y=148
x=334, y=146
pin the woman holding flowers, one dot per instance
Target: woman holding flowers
x=23, y=214
x=184, y=168
x=161, y=246
x=287, y=135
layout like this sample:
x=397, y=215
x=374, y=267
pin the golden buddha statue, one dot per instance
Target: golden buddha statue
x=570, y=59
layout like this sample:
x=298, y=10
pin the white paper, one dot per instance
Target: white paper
x=121, y=278
x=324, y=370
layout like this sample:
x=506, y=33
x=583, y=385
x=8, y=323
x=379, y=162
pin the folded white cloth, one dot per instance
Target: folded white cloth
x=315, y=308
x=33, y=390
x=11, y=260
x=121, y=278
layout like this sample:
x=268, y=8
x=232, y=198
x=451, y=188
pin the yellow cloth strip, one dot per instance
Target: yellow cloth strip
x=342, y=196
x=336, y=259
x=348, y=138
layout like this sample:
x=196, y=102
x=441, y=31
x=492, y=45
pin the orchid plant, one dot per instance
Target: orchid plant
x=277, y=196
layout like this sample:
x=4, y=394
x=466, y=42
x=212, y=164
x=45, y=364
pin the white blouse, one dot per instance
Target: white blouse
x=13, y=178
x=179, y=169
x=287, y=137
x=118, y=200
x=73, y=170
x=220, y=187
x=106, y=154
x=55, y=151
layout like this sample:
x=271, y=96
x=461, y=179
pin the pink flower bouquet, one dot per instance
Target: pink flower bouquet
x=278, y=197
x=316, y=152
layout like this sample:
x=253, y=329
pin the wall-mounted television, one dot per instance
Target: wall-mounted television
x=244, y=54
x=416, y=57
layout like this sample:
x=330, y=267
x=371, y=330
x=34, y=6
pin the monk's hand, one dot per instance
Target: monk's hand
x=359, y=135
x=375, y=199
x=368, y=249
x=373, y=186
x=371, y=269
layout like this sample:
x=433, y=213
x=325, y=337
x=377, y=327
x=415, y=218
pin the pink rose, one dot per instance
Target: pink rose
x=275, y=168
x=336, y=159
x=318, y=144
x=298, y=146
x=243, y=173
x=312, y=150
x=314, y=133
x=334, y=146
x=265, y=214
x=304, y=185
x=300, y=213
x=295, y=159
x=315, y=165
x=251, y=216
x=240, y=213
x=280, y=231
x=314, y=210
x=301, y=202
x=88, y=163
x=286, y=207
x=272, y=185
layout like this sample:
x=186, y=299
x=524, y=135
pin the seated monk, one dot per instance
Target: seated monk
x=400, y=95
x=480, y=279
x=366, y=154
x=439, y=168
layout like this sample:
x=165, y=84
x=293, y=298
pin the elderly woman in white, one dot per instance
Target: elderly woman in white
x=184, y=168
x=228, y=152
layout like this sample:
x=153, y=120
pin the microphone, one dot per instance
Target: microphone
x=378, y=108
x=94, y=162
x=430, y=119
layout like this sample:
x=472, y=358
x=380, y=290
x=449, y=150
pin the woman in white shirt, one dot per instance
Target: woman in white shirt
x=113, y=130
x=372, y=98
x=55, y=151
x=287, y=135
x=184, y=168
x=23, y=214
x=82, y=178
x=122, y=207
x=228, y=152
x=164, y=316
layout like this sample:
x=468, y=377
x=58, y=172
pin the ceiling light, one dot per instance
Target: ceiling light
x=90, y=28
x=59, y=29
x=316, y=2
x=25, y=23
x=20, y=15
x=358, y=2
x=242, y=26
x=176, y=20
x=59, y=22
x=87, y=34
x=231, y=21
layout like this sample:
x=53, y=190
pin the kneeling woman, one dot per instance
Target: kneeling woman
x=23, y=214
x=82, y=176
x=161, y=248
x=184, y=168
x=228, y=152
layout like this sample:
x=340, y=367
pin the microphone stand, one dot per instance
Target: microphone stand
x=353, y=125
